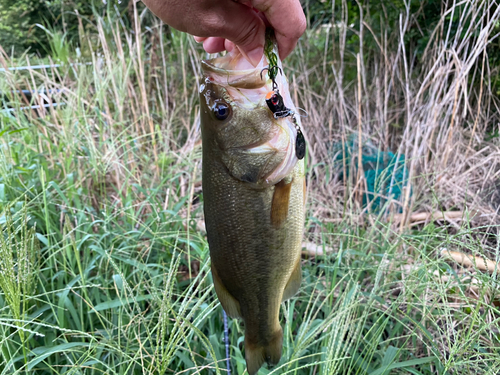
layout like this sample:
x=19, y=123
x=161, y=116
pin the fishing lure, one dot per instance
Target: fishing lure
x=276, y=104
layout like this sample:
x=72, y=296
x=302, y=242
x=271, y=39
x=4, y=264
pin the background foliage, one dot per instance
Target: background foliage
x=24, y=23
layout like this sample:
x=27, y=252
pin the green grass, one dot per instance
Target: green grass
x=104, y=266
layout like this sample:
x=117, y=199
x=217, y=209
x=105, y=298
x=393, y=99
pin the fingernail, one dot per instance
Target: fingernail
x=254, y=56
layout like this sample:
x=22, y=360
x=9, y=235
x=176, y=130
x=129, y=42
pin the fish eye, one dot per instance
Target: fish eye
x=221, y=111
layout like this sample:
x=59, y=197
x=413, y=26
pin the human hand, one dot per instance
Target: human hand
x=221, y=24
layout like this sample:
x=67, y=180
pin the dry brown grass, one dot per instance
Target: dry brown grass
x=438, y=112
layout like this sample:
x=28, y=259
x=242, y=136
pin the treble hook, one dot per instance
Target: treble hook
x=273, y=72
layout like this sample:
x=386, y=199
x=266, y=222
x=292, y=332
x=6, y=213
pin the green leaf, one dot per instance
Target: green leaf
x=119, y=303
x=390, y=355
x=17, y=130
x=412, y=362
x=43, y=352
x=42, y=239
x=4, y=131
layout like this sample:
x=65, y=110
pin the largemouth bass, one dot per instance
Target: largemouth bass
x=254, y=196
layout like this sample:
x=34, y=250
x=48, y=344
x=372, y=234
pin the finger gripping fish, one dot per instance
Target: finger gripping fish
x=254, y=195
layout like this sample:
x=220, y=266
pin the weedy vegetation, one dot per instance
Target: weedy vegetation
x=104, y=263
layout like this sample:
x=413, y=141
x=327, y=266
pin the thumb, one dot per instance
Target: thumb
x=246, y=30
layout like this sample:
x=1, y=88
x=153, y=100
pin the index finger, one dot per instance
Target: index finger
x=288, y=20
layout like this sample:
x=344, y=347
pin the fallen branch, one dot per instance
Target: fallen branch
x=311, y=249
x=471, y=283
x=467, y=260
x=437, y=215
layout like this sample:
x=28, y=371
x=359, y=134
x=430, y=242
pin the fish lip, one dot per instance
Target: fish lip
x=208, y=65
x=245, y=79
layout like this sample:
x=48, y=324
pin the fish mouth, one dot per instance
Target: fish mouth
x=235, y=71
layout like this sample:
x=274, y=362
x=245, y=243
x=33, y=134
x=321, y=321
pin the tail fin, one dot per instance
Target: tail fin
x=256, y=354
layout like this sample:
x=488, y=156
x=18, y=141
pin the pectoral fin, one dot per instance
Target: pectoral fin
x=230, y=305
x=293, y=285
x=280, y=203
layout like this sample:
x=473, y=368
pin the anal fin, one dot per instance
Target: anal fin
x=230, y=305
x=293, y=285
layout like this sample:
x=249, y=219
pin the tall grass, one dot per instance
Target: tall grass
x=100, y=207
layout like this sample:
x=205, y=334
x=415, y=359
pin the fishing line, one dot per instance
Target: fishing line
x=302, y=112
x=226, y=341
